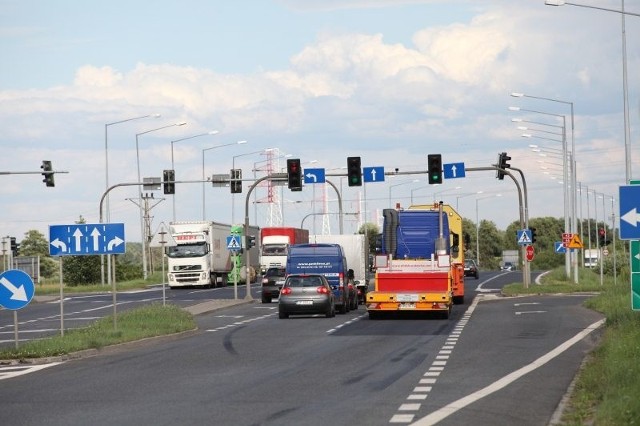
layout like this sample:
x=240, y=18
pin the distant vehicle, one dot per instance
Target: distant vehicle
x=306, y=294
x=275, y=242
x=471, y=269
x=272, y=282
x=508, y=266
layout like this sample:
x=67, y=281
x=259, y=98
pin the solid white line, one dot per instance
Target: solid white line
x=451, y=408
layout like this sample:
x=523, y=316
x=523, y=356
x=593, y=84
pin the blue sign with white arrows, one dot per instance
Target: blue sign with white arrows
x=373, y=174
x=16, y=289
x=86, y=239
x=630, y=212
x=312, y=176
x=453, y=170
x=559, y=247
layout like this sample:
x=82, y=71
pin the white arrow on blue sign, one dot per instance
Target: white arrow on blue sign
x=16, y=289
x=312, y=176
x=559, y=247
x=453, y=170
x=630, y=212
x=373, y=174
x=86, y=239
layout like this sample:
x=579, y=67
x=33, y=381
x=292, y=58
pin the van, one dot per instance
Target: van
x=326, y=259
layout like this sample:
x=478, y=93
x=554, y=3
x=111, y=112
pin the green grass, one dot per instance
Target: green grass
x=607, y=388
x=52, y=287
x=147, y=321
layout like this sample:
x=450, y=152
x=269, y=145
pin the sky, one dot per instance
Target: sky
x=391, y=81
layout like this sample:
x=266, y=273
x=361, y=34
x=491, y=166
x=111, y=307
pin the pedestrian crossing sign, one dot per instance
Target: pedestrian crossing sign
x=524, y=237
x=233, y=242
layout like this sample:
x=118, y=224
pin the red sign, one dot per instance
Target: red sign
x=529, y=253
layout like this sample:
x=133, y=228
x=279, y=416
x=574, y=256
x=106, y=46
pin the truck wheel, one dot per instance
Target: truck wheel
x=283, y=315
x=373, y=315
x=213, y=280
x=458, y=300
x=223, y=280
x=266, y=300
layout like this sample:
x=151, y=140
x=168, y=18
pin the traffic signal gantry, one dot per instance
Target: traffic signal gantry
x=434, y=169
x=47, y=172
x=502, y=165
x=354, y=171
x=168, y=181
x=294, y=174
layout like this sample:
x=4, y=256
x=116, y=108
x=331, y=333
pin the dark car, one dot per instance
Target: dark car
x=272, y=282
x=306, y=294
x=508, y=266
x=471, y=269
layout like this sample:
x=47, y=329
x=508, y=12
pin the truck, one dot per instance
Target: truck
x=420, y=266
x=591, y=258
x=275, y=242
x=357, y=254
x=200, y=257
x=509, y=258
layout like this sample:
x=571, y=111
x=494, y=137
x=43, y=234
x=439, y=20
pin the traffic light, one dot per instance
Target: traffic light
x=354, y=171
x=251, y=241
x=434, y=169
x=168, y=181
x=294, y=174
x=502, y=164
x=14, y=246
x=236, y=181
x=533, y=235
x=602, y=237
x=47, y=172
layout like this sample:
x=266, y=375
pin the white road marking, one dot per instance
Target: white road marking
x=9, y=372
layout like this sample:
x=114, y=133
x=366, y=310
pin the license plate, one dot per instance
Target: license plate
x=407, y=305
x=407, y=298
x=304, y=302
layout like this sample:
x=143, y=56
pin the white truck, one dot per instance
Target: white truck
x=275, y=242
x=591, y=258
x=357, y=254
x=200, y=256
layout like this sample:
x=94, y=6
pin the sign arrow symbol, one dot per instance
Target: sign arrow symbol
x=373, y=175
x=17, y=293
x=78, y=236
x=96, y=239
x=632, y=217
x=453, y=169
x=59, y=245
x=312, y=176
x=114, y=243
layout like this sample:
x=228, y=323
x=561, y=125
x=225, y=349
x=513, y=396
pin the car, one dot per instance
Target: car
x=508, y=266
x=306, y=294
x=471, y=269
x=272, y=282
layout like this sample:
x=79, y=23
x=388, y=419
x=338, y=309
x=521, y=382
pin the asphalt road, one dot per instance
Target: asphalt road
x=495, y=361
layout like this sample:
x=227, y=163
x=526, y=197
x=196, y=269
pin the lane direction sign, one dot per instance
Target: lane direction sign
x=373, y=174
x=559, y=247
x=630, y=212
x=86, y=239
x=16, y=289
x=453, y=170
x=312, y=176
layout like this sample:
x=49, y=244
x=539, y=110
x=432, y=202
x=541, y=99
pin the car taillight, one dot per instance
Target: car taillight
x=322, y=290
x=265, y=280
x=286, y=290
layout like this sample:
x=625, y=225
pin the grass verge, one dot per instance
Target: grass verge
x=607, y=388
x=135, y=324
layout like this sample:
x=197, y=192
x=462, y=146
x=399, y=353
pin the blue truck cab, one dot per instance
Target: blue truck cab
x=326, y=259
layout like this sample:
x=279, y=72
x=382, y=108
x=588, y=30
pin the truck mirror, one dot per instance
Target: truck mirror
x=350, y=274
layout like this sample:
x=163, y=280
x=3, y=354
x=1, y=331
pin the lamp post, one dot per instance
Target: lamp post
x=106, y=178
x=203, y=178
x=478, y=227
x=625, y=86
x=398, y=184
x=435, y=194
x=212, y=132
x=465, y=195
x=142, y=228
x=233, y=166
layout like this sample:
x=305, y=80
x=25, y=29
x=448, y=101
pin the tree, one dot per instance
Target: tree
x=371, y=230
x=35, y=244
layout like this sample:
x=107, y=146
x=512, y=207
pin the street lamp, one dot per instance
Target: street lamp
x=625, y=86
x=203, y=178
x=435, y=194
x=233, y=167
x=398, y=184
x=142, y=228
x=212, y=132
x=478, y=227
x=465, y=195
x=106, y=173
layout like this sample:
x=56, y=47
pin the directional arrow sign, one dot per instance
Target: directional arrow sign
x=453, y=170
x=312, y=176
x=16, y=289
x=86, y=239
x=559, y=247
x=373, y=174
x=630, y=212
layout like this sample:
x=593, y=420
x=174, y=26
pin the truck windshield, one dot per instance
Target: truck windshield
x=274, y=249
x=187, y=250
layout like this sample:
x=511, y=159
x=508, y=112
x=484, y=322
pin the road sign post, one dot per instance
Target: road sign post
x=16, y=291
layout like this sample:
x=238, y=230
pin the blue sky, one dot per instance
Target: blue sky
x=390, y=81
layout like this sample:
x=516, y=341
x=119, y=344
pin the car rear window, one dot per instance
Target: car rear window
x=304, y=282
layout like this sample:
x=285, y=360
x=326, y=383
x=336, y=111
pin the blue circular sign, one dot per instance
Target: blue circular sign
x=16, y=289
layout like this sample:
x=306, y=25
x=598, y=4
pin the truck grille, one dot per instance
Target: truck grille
x=187, y=278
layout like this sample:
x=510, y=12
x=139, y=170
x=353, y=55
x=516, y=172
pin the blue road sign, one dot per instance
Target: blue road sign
x=373, y=174
x=524, y=237
x=453, y=170
x=16, y=289
x=86, y=239
x=312, y=176
x=558, y=247
x=233, y=242
x=630, y=212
